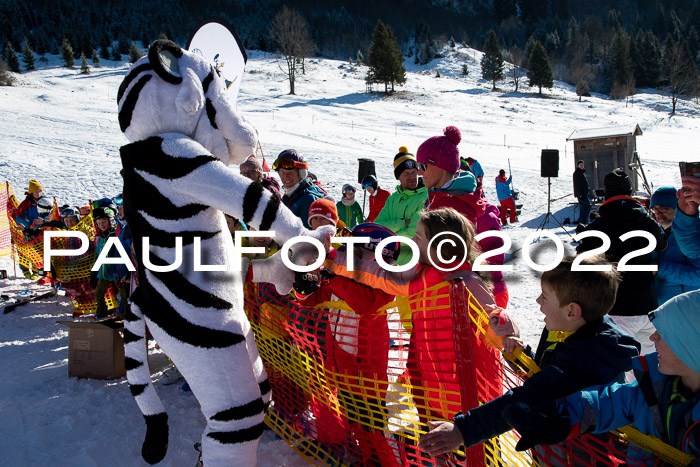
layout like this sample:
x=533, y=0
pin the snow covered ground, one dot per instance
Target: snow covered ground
x=60, y=127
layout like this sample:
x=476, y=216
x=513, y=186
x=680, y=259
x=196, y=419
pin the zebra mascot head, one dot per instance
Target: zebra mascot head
x=174, y=91
x=177, y=185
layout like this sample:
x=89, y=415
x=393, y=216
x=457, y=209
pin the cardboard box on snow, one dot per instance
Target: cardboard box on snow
x=95, y=349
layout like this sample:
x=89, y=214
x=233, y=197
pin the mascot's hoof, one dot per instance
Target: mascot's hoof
x=155, y=446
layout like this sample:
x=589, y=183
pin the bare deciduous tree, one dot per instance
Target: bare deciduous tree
x=291, y=31
x=517, y=57
x=681, y=74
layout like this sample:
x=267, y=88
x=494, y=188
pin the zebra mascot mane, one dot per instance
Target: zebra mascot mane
x=177, y=185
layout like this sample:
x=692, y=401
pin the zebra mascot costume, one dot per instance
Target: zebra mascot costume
x=177, y=185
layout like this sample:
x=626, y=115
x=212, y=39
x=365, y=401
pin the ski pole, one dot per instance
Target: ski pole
x=364, y=201
x=510, y=174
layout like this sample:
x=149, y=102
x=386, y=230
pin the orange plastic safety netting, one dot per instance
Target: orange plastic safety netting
x=5, y=236
x=360, y=388
x=73, y=272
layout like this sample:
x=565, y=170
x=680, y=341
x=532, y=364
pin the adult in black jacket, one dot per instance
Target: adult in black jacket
x=581, y=193
x=636, y=295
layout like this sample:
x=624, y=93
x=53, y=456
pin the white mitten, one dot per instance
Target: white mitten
x=274, y=271
x=323, y=235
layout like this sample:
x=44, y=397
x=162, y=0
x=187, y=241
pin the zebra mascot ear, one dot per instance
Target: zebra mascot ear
x=164, y=57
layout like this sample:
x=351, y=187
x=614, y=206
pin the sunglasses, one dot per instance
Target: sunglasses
x=422, y=166
x=289, y=164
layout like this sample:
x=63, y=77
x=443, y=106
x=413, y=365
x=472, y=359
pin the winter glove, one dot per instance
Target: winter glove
x=306, y=283
x=326, y=275
x=93, y=280
x=540, y=425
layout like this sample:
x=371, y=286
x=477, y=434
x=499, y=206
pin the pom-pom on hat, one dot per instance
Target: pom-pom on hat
x=665, y=197
x=442, y=151
x=617, y=183
x=403, y=160
x=325, y=208
x=34, y=186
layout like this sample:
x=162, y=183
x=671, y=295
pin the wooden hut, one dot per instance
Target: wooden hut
x=604, y=149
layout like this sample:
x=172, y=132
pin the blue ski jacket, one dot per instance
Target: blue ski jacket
x=665, y=411
x=300, y=200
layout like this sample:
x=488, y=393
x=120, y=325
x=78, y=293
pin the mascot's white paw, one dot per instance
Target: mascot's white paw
x=273, y=271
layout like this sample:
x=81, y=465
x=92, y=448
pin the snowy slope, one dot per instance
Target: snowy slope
x=61, y=128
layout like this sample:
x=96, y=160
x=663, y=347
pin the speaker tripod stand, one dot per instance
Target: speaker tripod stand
x=549, y=216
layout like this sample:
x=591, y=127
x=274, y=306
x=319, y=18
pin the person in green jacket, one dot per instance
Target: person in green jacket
x=349, y=210
x=402, y=210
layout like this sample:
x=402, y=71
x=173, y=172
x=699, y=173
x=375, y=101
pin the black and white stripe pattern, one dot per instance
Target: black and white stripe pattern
x=196, y=317
x=175, y=187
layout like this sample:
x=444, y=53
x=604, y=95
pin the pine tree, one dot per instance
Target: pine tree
x=465, y=70
x=539, y=72
x=529, y=46
x=95, y=58
x=104, y=47
x=116, y=55
x=67, y=53
x=28, y=56
x=504, y=9
x=492, y=61
x=582, y=89
x=385, y=60
x=620, y=66
x=84, y=67
x=651, y=60
x=134, y=53
x=424, y=45
x=123, y=44
x=693, y=41
x=10, y=57
x=360, y=58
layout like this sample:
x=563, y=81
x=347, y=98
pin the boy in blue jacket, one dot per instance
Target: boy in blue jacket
x=575, y=305
x=109, y=275
x=664, y=401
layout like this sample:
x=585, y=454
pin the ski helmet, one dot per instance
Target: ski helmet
x=370, y=181
x=290, y=159
x=377, y=233
x=104, y=213
x=44, y=207
x=106, y=203
x=69, y=212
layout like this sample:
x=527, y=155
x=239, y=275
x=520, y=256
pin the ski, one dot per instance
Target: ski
x=19, y=299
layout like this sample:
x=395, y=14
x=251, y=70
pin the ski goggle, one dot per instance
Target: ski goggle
x=289, y=164
x=68, y=212
x=118, y=200
x=367, y=185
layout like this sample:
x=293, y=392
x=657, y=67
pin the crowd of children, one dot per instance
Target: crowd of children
x=581, y=345
x=110, y=283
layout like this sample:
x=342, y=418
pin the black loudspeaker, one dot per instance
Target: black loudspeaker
x=549, y=163
x=366, y=168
